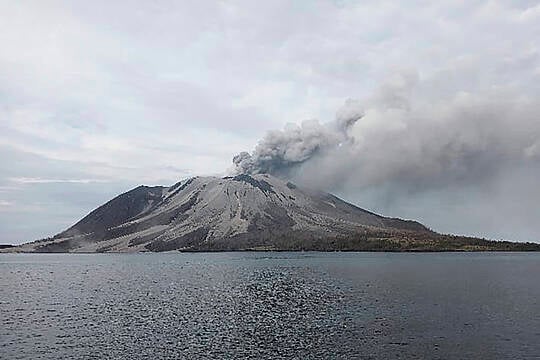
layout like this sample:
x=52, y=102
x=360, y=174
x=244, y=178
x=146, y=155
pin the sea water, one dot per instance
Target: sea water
x=258, y=305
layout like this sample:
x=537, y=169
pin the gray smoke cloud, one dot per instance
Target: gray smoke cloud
x=405, y=145
x=282, y=151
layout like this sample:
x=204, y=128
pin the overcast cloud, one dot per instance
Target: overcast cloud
x=98, y=97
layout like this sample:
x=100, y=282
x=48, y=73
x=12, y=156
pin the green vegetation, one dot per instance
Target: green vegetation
x=394, y=241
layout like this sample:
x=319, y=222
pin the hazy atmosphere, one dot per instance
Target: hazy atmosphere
x=429, y=111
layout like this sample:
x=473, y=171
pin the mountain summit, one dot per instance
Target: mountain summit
x=258, y=212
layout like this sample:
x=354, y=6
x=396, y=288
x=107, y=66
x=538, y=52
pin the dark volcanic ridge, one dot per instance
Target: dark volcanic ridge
x=246, y=212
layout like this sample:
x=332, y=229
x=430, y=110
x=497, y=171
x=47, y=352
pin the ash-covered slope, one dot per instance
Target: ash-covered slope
x=210, y=213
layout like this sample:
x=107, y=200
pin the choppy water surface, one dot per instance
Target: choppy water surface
x=270, y=305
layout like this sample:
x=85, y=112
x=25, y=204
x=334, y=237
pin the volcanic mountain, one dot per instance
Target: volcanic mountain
x=244, y=212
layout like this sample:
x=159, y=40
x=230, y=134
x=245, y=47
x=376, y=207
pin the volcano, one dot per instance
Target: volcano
x=244, y=212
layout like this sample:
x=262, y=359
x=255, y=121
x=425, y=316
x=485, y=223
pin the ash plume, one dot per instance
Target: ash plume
x=400, y=134
x=281, y=151
x=407, y=143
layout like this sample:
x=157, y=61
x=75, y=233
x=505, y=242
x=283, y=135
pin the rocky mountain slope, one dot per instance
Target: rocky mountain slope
x=258, y=212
